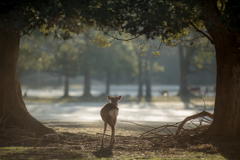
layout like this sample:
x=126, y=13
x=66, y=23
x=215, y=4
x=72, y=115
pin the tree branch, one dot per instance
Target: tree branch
x=201, y=114
x=204, y=68
x=200, y=31
x=123, y=39
x=221, y=7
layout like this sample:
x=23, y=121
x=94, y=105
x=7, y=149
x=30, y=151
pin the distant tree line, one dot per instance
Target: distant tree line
x=118, y=62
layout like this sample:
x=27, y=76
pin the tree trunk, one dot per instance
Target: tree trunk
x=108, y=76
x=19, y=74
x=12, y=107
x=66, y=85
x=148, y=80
x=87, y=84
x=227, y=102
x=140, y=83
x=184, y=68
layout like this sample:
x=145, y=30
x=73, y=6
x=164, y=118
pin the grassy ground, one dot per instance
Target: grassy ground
x=82, y=140
x=124, y=99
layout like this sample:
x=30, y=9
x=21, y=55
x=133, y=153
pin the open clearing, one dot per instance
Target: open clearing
x=82, y=141
x=79, y=129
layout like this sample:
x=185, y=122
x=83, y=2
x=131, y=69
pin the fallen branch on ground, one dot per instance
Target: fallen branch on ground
x=201, y=114
x=189, y=127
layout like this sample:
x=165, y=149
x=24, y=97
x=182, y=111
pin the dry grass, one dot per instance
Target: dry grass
x=125, y=99
x=75, y=142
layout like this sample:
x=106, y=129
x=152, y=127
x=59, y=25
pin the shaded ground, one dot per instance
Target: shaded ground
x=82, y=141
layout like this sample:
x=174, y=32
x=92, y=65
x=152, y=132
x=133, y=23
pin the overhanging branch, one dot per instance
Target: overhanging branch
x=200, y=31
x=204, y=68
x=123, y=39
x=222, y=7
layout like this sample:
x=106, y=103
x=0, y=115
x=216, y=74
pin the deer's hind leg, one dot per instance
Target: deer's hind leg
x=113, y=126
x=105, y=127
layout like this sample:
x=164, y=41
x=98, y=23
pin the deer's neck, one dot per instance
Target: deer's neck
x=116, y=103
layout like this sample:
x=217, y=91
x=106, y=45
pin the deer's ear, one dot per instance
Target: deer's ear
x=109, y=97
x=119, y=97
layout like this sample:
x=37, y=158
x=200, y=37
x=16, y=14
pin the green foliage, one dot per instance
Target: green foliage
x=119, y=57
x=157, y=68
x=73, y=56
x=169, y=19
x=156, y=53
x=66, y=56
x=27, y=60
x=205, y=53
x=31, y=55
x=101, y=40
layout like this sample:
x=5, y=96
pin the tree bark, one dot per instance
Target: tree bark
x=227, y=102
x=12, y=106
x=19, y=74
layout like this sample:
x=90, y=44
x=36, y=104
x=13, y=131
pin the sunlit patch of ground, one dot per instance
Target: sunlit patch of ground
x=82, y=141
x=128, y=111
x=79, y=138
x=124, y=99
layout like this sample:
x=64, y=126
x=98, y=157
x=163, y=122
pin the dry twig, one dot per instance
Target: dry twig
x=173, y=133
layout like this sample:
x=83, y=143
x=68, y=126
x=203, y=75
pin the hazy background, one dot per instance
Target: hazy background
x=82, y=69
x=47, y=66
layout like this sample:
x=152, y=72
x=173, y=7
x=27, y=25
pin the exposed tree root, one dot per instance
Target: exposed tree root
x=171, y=134
x=189, y=127
x=3, y=120
x=16, y=136
x=198, y=115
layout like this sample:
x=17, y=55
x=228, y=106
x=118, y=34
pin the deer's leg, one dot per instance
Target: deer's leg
x=105, y=127
x=113, y=134
x=113, y=130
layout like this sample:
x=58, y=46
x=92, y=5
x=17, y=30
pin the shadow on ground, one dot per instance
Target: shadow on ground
x=104, y=152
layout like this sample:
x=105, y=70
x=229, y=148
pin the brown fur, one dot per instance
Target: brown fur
x=109, y=120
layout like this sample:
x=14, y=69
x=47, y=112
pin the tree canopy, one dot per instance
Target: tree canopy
x=169, y=19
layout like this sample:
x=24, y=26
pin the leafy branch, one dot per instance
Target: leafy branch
x=200, y=31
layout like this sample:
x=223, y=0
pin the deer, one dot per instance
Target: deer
x=164, y=93
x=109, y=113
x=195, y=90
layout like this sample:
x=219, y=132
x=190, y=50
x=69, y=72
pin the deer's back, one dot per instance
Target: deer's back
x=109, y=113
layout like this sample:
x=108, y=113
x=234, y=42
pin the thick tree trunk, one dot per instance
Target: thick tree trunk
x=227, y=102
x=12, y=107
x=66, y=85
x=19, y=74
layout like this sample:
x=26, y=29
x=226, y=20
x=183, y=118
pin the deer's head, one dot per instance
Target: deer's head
x=114, y=100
